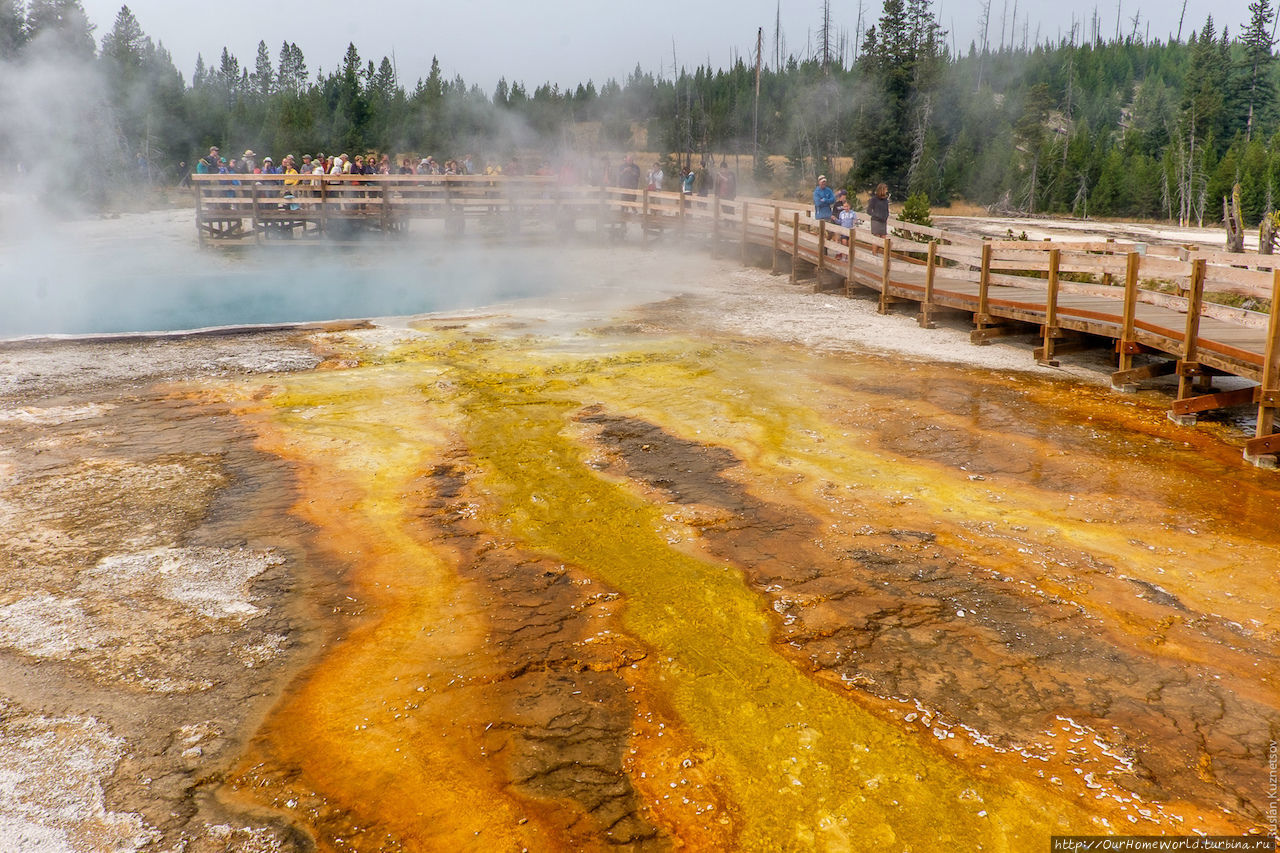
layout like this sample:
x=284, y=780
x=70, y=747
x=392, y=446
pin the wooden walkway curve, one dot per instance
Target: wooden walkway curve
x=1074, y=293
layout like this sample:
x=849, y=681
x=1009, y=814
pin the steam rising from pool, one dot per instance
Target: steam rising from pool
x=57, y=302
x=157, y=281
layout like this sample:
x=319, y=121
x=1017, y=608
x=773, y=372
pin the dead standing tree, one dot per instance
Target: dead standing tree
x=1233, y=220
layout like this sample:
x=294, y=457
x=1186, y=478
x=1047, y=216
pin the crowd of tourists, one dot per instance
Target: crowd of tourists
x=831, y=205
x=628, y=174
x=341, y=164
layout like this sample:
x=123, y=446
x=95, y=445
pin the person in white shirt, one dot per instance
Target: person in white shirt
x=655, y=177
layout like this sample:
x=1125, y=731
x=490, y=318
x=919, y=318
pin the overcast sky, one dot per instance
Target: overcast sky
x=572, y=41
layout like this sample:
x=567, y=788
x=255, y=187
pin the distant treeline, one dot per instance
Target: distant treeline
x=1127, y=127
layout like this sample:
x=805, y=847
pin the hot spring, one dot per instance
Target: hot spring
x=112, y=292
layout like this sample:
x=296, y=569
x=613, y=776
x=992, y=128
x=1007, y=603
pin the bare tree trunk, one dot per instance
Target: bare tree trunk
x=1233, y=220
x=1035, y=176
x=923, y=115
x=986, y=25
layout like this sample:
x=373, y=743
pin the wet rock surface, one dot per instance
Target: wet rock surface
x=147, y=616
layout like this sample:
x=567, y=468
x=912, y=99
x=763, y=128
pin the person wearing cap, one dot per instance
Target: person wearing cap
x=209, y=163
x=841, y=198
x=823, y=199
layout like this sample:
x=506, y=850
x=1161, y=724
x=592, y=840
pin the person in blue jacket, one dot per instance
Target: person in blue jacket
x=823, y=199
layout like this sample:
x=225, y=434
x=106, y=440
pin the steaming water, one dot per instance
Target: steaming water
x=61, y=300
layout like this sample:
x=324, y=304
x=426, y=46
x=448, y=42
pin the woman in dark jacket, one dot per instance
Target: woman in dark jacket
x=878, y=210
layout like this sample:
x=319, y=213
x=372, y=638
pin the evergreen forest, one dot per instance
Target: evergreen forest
x=1129, y=126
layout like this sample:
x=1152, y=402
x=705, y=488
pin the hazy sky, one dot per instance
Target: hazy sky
x=573, y=41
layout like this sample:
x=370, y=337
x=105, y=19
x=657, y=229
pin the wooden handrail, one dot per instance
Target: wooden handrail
x=1228, y=274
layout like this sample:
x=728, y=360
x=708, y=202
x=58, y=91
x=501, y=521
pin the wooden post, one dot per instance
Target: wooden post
x=1128, y=344
x=715, y=226
x=822, y=253
x=385, y=211
x=324, y=207
x=1187, y=367
x=795, y=244
x=1265, y=440
x=199, y=193
x=253, y=199
x=931, y=266
x=744, y=232
x=884, y=278
x=777, y=213
x=984, y=283
x=848, y=273
x=1051, y=308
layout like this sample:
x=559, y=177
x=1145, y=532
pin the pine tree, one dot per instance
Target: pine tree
x=1032, y=139
x=262, y=80
x=351, y=111
x=1258, y=60
x=903, y=58
x=13, y=33
x=299, y=64
x=125, y=47
x=1201, y=109
x=63, y=25
x=228, y=75
x=916, y=210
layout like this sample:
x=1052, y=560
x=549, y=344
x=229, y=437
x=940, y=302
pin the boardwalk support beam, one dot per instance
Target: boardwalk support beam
x=1262, y=450
x=795, y=246
x=988, y=333
x=1127, y=380
x=1051, y=330
x=931, y=267
x=777, y=213
x=1220, y=400
x=885, y=299
x=1191, y=336
x=1127, y=346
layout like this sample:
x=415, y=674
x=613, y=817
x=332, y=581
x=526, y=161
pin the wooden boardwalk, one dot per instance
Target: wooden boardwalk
x=1073, y=294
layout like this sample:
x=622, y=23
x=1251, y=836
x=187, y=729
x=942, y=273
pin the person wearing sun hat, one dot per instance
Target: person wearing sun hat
x=247, y=162
x=823, y=199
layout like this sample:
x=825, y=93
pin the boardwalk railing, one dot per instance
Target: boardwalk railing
x=1150, y=300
